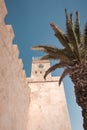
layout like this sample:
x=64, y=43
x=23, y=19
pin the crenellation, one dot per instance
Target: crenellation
x=5, y=38
x=24, y=74
x=3, y=12
x=15, y=50
x=20, y=63
x=11, y=32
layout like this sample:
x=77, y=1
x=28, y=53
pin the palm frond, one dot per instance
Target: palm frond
x=85, y=36
x=71, y=19
x=61, y=64
x=84, y=47
x=77, y=28
x=67, y=16
x=61, y=36
x=47, y=49
x=54, y=52
x=66, y=72
x=72, y=36
x=47, y=57
x=74, y=47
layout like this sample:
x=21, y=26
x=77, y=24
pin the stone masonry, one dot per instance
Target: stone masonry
x=14, y=91
x=27, y=103
x=48, y=108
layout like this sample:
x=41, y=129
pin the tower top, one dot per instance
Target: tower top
x=39, y=67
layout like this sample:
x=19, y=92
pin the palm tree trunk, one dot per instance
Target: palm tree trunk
x=84, y=114
x=79, y=78
x=81, y=99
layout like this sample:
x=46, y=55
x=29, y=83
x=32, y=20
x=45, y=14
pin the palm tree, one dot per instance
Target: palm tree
x=72, y=57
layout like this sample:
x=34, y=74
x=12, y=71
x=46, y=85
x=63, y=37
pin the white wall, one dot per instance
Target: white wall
x=48, y=109
x=14, y=92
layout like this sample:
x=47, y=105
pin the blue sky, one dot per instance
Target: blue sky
x=30, y=21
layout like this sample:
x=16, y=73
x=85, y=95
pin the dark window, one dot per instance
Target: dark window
x=40, y=65
x=40, y=72
x=35, y=72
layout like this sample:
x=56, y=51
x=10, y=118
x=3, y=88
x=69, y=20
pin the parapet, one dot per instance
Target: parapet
x=7, y=36
x=3, y=12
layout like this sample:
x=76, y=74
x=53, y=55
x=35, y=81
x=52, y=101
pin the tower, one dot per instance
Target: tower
x=48, y=109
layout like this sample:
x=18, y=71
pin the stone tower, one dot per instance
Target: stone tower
x=48, y=109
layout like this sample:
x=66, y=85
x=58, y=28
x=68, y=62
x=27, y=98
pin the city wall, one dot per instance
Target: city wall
x=14, y=91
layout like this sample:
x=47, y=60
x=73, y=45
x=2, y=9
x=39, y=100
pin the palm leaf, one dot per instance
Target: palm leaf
x=54, y=52
x=48, y=49
x=71, y=19
x=72, y=50
x=66, y=72
x=47, y=57
x=84, y=49
x=72, y=36
x=62, y=64
x=61, y=36
x=77, y=28
x=67, y=16
x=85, y=36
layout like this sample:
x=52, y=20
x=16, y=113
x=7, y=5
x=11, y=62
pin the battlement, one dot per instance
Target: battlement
x=6, y=38
x=3, y=12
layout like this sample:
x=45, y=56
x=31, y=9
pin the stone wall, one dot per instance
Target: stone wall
x=14, y=92
x=48, y=109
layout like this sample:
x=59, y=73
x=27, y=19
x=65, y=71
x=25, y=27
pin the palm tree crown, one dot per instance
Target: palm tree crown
x=74, y=44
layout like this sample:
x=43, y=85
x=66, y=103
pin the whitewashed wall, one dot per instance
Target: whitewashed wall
x=14, y=92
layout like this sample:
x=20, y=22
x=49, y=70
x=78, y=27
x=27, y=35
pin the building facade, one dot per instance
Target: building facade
x=14, y=91
x=27, y=103
x=48, y=108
